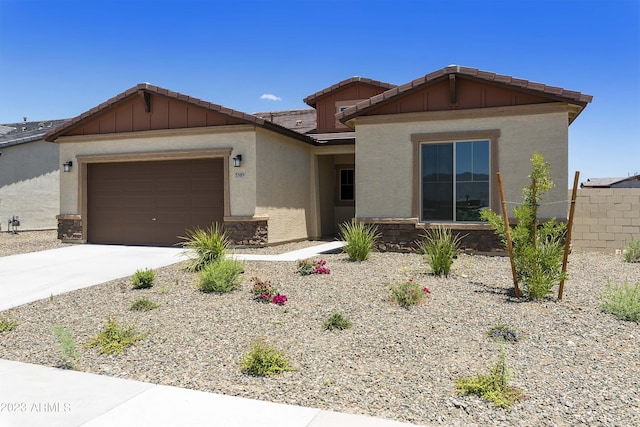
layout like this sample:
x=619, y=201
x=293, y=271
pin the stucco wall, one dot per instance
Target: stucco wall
x=605, y=218
x=29, y=185
x=240, y=139
x=284, y=187
x=384, y=153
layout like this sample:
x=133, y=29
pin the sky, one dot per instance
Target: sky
x=61, y=58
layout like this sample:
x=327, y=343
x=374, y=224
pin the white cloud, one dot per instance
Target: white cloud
x=271, y=97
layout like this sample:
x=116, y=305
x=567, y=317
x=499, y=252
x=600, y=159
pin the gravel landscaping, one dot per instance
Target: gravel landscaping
x=574, y=364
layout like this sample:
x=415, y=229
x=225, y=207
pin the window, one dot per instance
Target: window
x=346, y=184
x=343, y=107
x=454, y=180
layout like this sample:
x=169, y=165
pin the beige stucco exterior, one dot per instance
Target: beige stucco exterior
x=29, y=185
x=284, y=189
x=386, y=155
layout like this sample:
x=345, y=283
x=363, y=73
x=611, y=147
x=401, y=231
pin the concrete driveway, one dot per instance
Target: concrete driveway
x=29, y=277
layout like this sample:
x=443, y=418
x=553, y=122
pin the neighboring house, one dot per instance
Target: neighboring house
x=149, y=162
x=29, y=177
x=628, y=182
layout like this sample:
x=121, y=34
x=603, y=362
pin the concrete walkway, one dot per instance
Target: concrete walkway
x=34, y=395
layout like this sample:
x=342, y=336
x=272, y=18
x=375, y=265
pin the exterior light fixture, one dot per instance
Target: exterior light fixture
x=67, y=166
x=236, y=160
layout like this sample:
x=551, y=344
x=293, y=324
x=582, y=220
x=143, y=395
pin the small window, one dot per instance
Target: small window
x=343, y=107
x=347, y=187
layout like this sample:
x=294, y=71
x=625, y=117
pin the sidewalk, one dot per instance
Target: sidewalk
x=34, y=395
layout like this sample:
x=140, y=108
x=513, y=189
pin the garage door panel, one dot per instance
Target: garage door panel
x=124, y=198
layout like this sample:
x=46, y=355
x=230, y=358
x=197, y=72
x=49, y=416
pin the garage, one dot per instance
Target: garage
x=152, y=202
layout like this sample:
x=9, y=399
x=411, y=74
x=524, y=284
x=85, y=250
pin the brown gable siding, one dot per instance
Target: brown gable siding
x=468, y=94
x=326, y=106
x=166, y=113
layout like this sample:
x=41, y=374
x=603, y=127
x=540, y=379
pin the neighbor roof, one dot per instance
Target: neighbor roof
x=53, y=134
x=311, y=100
x=607, y=182
x=302, y=121
x=557, y=93
x=23, y=132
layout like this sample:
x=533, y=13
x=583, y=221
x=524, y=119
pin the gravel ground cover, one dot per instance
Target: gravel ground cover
x=575, y=364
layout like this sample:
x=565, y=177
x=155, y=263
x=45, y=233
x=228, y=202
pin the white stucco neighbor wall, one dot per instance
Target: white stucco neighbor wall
x=284, y=186
x=384, y=155
x=240, y=139
x=29, y=185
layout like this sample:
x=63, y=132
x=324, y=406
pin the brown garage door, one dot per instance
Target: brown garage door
x=152, y=203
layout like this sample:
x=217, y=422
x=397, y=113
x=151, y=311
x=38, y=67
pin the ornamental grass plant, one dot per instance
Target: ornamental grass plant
x=631, y=252
x=360, y=239
x=205, y=246
x=439, y=247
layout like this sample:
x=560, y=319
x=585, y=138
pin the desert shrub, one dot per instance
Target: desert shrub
x=143, y=279
x=631, y=252
x=205, y=246
x=493, y=387
x=439, y=247
x=502, y=332
x=264, y=360
x=114, y=338
x=538, y=250
x=143, y=304
x=337, y=321
x=221, y=276
x=360, y=239
x=305, y=267
x=622, y=300
x=69, y=354
x=408, y=293
x=7, y=324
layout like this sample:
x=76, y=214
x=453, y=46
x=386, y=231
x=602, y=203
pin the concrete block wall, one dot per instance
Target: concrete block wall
x=605, y=219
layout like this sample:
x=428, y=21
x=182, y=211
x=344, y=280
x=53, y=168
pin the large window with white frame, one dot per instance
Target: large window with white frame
x=455, y=183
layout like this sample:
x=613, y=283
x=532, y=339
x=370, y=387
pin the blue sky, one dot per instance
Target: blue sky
x=61, y=58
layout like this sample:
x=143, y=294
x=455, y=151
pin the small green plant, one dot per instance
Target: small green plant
x=306, y=267
x=503, y=333
x=264, y=360
x=70, y=355
x=143, y=279
x=631, y=252
x=538, y=250
x=114, y=338
x=493, y=387
x=205, y=246
x=622, y=300
x=408, y=293
x=439, y=248
x=337, y=321
x=7, y=324
x=360, y=239
x=143, y=304
x=221, y=276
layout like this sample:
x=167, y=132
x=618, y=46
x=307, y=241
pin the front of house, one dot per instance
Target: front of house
x=150, y=163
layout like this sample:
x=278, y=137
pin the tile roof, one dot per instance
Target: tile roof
x=540, y=88
x=53, y=134
x=607, y=182
x=312, y=99
x=302, y=121
x=24, y=132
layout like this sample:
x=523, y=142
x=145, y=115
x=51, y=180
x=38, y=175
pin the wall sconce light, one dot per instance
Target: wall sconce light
x=236, y=160
x=66, y=166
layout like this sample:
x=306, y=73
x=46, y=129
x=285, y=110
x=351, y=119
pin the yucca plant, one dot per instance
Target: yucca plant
x=439, y=247
x=361, y=239
x=205, y=246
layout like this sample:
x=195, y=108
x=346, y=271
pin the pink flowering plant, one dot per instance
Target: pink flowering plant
x=306, y=267
x=409, y=293
x=265, y=291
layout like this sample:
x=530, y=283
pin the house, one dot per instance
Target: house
x=628, y=182
x=149, y=162
x=29, y=186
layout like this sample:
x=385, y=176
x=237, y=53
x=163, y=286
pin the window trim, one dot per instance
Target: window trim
x=338, y=201
x=417, y=139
